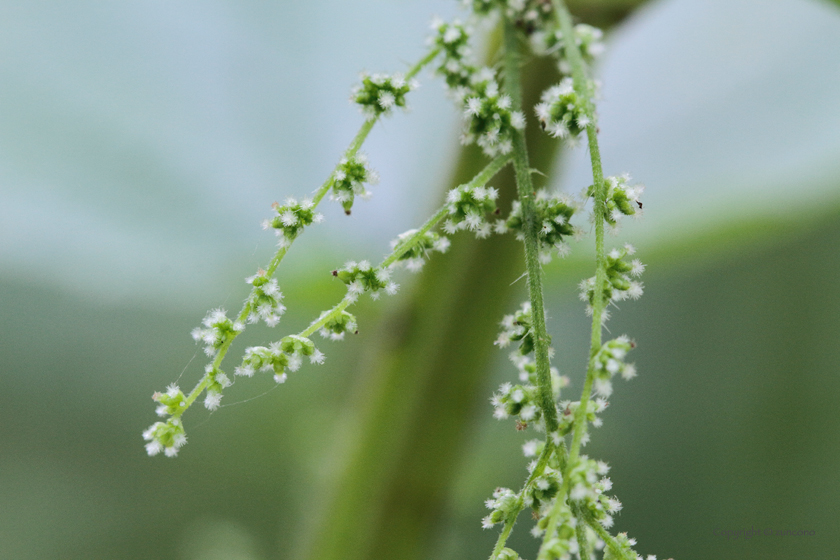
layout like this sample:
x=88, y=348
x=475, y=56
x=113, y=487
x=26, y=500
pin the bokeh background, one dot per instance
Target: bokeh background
x=141, y=143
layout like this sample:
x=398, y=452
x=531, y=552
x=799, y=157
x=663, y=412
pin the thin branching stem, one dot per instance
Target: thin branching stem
x=480, y=180
x=352, y=150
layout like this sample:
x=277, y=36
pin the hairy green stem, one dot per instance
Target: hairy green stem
x=525, y=189
x=582, y=88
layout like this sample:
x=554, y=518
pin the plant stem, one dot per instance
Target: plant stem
x=525, y=188
x=583, y=90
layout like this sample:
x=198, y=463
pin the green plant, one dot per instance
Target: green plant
x=565, y=489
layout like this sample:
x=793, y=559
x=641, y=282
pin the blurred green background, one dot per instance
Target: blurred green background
x=140, y=145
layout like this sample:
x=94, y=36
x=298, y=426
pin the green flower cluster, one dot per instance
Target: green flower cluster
x=553, y=214
x=362, y=277
x=288, y=353
x=620, y=284
x=291, y=218
x=503, y=502
x=349, y=180
x=609, y=361
x=379, y=93
x=468, y=207
x=588, y=39
x=415, y=256
x=338, y=326
x=218, y=329
x=562, y=112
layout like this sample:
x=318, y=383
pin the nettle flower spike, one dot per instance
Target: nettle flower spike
x=609, y=361
x=620, y=283
x=502, y=503
x=589, y=40
x=291, y=218
x=379, y=93
x=490, y=121
x=415, y=257
x=554, y=214
x=335, y=328
x=562, y=112
x=264, y=300
x=218, y=328
x=167, y=436
x=453, y=40
x=350, y=178
x=621, y=198
x=468, y=207
x=362, y=277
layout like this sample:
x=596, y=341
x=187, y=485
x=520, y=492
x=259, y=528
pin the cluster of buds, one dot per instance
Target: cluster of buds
x=415, y=256
x=288, y=353
x=588, y=39
x=338, y=326
x=518, y=327
x=490, y=122
x=265, y=299
x=349, y=180
x=468, y=206
x=553, y=214
x=167, y=436
x=621, y=197
x=517, y=400
x=362, y=277
x=522, y=400
x=562, y=112
x=531, y=16
x=216, y=382
x=562, y=544
x=453, y=41
x=568, y=411
x=543, y=489
x=379, y=93
x=620, y=284
x=291, y=218
x=503, y=502
x=218, y=329
x=609, y=361
x=588, y=486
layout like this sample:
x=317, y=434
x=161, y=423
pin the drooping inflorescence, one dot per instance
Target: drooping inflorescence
x=566, y=491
